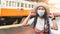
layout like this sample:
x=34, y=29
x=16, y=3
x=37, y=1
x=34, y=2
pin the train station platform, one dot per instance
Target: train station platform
x=16, y=29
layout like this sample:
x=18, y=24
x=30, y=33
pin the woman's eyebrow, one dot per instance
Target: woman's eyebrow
x=42, y=8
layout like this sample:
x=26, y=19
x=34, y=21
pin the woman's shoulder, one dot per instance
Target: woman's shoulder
x=32, y=18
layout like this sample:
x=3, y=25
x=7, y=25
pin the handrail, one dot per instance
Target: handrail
x=10, y=26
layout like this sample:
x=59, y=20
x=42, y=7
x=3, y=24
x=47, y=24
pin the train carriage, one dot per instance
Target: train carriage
x=15, y=10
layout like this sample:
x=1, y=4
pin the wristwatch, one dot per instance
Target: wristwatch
x=53, y=18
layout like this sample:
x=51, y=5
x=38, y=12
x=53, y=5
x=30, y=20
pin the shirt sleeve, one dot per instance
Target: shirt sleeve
x=30, y=21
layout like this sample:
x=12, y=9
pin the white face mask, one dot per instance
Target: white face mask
x=40, y=12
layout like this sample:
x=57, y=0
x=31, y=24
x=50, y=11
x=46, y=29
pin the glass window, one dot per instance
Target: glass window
x=0, y=1
x=25, y=5
x=29, y=5
x=12, y=3
x=22, y=4
x=18, y=4
x=6, y=3
x=15, y=4
x=9, y=3
x=32, y=6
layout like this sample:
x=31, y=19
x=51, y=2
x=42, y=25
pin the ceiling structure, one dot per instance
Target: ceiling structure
x=46, y=1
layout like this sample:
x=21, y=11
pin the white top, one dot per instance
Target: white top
x=58, y=24
x=40, y=23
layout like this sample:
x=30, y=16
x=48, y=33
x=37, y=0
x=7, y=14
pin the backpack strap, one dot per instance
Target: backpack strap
x=35, y=21
x=47, y=24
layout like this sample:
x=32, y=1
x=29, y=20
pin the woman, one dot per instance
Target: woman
x=41, y=11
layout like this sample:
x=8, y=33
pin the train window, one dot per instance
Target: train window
x=22, y=4
x=0, y=1
x=18, y=4
x=32, y=6
x=29, y=6
x=6, y=3
x=9, y=3
x=25, y=5
x=13, y=4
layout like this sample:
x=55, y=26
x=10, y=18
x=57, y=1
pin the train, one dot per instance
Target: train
x=15, y=10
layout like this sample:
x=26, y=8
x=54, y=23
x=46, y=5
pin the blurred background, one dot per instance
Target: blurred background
x=13, y=12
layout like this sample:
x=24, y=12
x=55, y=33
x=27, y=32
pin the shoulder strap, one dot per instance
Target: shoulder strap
x=47, y=23
x=35, y=21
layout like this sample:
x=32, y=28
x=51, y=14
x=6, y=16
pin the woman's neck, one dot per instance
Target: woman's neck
x=40, y=17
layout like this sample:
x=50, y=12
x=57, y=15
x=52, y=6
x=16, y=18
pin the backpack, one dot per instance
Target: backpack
x=46, y=30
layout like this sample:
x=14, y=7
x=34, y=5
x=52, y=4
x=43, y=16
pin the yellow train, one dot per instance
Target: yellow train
x=12, y=10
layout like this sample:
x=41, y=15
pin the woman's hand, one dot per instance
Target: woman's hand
x=32, y=13
x=55, y=26
x=51, y=15
x=27, y=19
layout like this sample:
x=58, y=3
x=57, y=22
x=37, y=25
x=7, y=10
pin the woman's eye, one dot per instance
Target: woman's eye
x=39, y=8
x=42, y=9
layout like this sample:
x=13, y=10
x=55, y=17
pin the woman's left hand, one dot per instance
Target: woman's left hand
x=51, y=15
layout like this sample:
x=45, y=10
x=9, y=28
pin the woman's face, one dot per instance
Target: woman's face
x=40, y=11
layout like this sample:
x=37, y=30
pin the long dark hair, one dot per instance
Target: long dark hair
x=45, y=13
x=45, y=16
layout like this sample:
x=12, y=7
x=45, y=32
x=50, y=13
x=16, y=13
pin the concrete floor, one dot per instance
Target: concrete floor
x=17, y=30
x=26, y=29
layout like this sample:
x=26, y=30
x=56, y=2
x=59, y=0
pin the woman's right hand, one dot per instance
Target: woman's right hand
x=31, y=13
x=27, y=18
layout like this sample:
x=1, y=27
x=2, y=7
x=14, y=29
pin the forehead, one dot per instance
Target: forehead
x=41, y=7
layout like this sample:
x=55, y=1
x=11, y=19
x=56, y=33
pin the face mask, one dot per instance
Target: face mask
x=40, y=12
